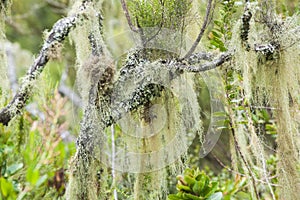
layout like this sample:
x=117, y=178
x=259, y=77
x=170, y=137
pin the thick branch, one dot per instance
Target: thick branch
x=145, y=90
x=203, y=28
x=57, y=35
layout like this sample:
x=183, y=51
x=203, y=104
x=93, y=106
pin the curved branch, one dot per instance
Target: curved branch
x=59, y=32
x=224, y=57
x=145, y=90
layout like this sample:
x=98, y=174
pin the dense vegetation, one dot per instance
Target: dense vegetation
x=167, y=76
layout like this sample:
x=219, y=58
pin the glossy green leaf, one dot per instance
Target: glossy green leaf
x=189, y=180
x=12, y=169
x=174, y=197
x=6, y=187
x=32, y=176
x=215, y=196
x=192, y=197
x=197, y=188
x=41, y=180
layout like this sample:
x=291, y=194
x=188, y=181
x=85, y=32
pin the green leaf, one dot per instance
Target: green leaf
x=210, y=189
x=173, y=197
x=41, y=180
x=215, y=43
x=32, y=176
x=189, y=180
x=183, y=188
x=243, y=196
x=12, y=169
x=197, y=188
x=215, y=196
x=192, y=197
x=6, y=187
x=218, y=23
x=217, y=34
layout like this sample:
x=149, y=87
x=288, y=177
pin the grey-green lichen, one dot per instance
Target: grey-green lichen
x=271, y=80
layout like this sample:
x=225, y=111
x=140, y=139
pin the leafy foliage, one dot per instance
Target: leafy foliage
x=196, y=185
x=205, y=185
x=169, y=14
x=222, y=30
x=33, y=155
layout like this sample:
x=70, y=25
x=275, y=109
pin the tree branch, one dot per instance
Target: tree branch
x=57, y=35
x=247, y=15
x=145, y=90
x=209, y=65
x=127, y=15
x=203, y=28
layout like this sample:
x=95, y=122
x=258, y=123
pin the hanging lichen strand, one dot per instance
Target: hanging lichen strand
x=4, y=83
x=154, y=107
x=247, y=148
x=155, y=134
x=247, y=152
x=89, y=178
x=271, y=80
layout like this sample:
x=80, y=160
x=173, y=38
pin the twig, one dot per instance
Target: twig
x=160, y=26
x=57, y=5
x=113, y=172
x=126, y=12
x=208, y=66
x=241, y=174
x=203, y=28
x=238, y=148
x=197, y=57
x=57, y=35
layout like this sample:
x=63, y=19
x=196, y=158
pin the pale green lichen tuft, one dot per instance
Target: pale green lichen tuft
x=272, y=81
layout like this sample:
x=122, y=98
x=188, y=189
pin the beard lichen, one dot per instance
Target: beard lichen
x=154, y=136
x=271, y=81
x=88, y=179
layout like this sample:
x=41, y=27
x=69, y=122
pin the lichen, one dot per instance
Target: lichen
x=88, y=175
x=271, y=80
